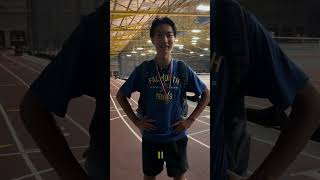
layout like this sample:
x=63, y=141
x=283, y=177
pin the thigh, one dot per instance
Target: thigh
x=151, y=162
x=176, y=157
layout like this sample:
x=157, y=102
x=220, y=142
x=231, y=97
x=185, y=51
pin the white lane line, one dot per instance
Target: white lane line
x=13, y=110
x=113, y=110
x=120, y=109
x=22, y=81
x=78, y=125
x=206, y=116
x=199, y=132
x=203, y=122
x=41, y=172
x=68, y=117
x=188, y=135
x=21, y=64
x=38, y=72
x=254, y=105
x=7, y=85
x=139, y=138
x=36, y=150
x=272, y=144
x=118, y=88
x=199, y=142
x=195, y=107
x=29, y=58
x=117, y=117
x=313, y=173
x=19, y=145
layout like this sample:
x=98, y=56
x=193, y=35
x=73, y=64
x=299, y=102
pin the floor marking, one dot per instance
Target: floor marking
x=38, y=72
x=36, y=150
x=22, y=81
x=78, y=125
x=66, y=134
x=13, y=110
x=199, y=132
x=41, y=172
x=68, y=117
x=125, y=121
x=21, y=64
x=254, y=105
x=206, y=116
x=5, y=146
x=19, y=145
x=117, y=117
x=203, y=122
x=35, y=61
x=272, y=144
x=7, y=85
x=199, y=142
x=313, y=173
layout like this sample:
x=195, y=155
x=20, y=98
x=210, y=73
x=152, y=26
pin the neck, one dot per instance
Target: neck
x=164, y=60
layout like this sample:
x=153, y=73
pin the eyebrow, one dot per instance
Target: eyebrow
x=164, y=32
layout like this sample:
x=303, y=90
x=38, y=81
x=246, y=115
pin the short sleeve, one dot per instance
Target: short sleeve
x=272, y=74
x=132, y=84
x=195, y=85
x=61, y=80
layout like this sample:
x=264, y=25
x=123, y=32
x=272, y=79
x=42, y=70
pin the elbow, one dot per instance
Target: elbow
x=307, y=102
x=206, y=96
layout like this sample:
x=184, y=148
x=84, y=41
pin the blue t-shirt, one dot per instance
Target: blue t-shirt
x=80, y=68
x=152, y=97
x=271, y=74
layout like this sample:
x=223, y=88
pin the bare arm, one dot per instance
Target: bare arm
x=47, y=135
x=144, y=123
x=124, y=103
x=304, y=120
x=203, y=102
x=185, y=124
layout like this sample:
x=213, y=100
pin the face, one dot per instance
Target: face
x=163, y=39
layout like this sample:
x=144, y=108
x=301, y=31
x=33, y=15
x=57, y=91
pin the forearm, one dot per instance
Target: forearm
x=42, y=127
x=124, y=103
x=303, y=122
x=203, y=102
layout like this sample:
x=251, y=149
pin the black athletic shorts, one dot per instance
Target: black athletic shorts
x=173, y=153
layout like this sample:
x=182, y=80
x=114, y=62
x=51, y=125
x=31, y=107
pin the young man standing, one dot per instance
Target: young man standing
x=162, y=87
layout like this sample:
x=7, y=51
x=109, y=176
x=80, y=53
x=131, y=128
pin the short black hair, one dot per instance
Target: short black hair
x=162, y=20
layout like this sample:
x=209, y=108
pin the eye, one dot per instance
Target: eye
x=170, y=35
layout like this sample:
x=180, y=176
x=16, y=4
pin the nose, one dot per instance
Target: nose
x=165, y=38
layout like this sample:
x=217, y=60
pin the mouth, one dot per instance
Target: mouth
x=165, y=47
